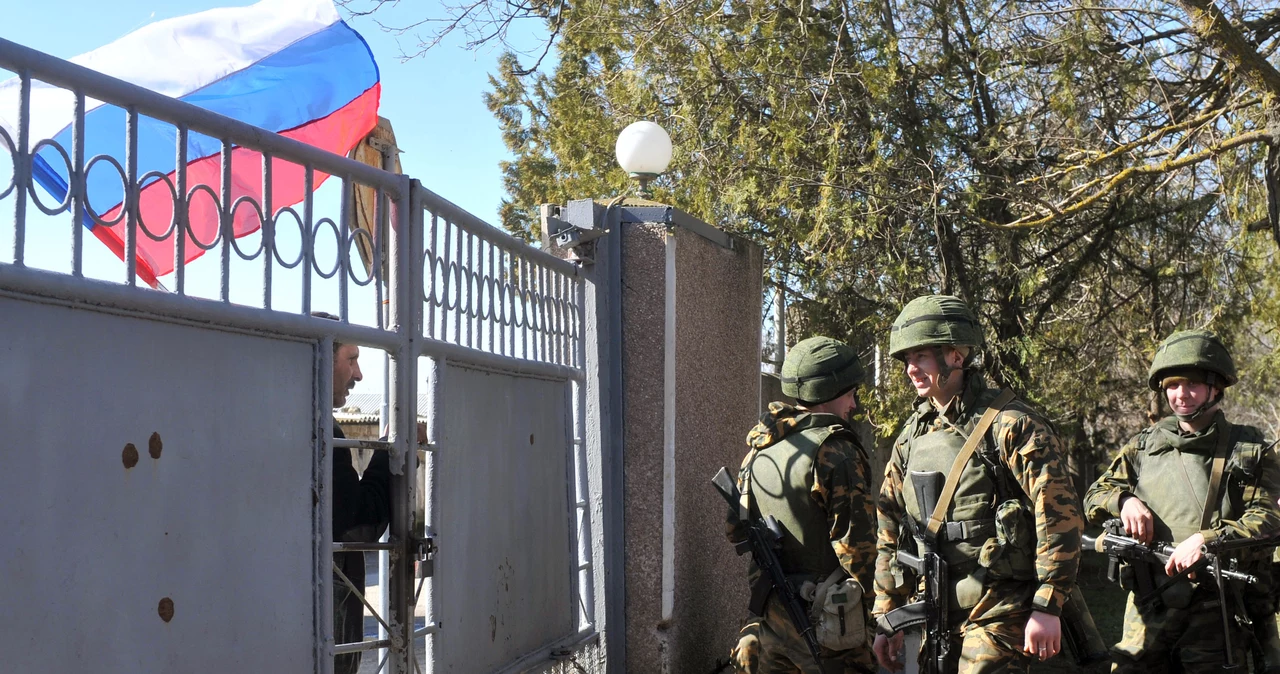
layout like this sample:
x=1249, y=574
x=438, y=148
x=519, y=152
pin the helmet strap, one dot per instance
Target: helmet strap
x=944, y=370
x=1207, y=405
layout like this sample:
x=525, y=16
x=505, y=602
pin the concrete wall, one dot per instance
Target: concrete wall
x=771, y=390
x=691, y=383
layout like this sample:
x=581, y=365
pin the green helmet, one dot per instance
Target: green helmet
x=1191, y=351
x=934, y=320
x=819, y=369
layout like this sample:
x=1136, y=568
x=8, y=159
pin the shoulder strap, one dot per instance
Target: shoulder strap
x=1215, y=478
x=957, y=467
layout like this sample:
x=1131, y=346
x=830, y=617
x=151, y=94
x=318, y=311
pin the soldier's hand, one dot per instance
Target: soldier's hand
x=1137, y=519
x=888, y=651
x=1187, y=554
x=1043, y=635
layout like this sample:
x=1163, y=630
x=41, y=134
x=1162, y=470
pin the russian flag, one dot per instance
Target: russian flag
x=288, y=66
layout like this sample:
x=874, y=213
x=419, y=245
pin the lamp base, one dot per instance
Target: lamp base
x=644, y=179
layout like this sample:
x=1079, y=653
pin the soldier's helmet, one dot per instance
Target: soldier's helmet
x=819, y=369
x=1197, y=354
x=934, y=320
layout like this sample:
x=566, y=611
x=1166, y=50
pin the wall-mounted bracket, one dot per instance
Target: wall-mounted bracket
x=562, y=232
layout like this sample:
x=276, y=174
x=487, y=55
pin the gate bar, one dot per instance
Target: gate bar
x=93, y=84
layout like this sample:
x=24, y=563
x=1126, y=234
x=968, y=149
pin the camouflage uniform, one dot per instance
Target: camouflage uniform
x=837, y=511
x=1186, y=626
x=1017, y=542
x=1168, y=469
x=770, y=644
x=988, y=637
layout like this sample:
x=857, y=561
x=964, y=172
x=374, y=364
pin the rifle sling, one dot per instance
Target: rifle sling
x=1215, y=477
x=939, y=515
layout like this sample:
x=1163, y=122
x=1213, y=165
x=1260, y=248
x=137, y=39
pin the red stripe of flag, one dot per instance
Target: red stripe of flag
x=337, y=133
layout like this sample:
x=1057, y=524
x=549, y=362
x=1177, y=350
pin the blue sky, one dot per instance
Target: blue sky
x=450, y=140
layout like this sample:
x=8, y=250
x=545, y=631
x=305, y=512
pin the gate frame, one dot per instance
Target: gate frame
x=595, y=536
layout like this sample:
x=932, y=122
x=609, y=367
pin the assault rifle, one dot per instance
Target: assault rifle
x=764, y=537
x=1117, y=546
x=1079, y=632
x=931, y=610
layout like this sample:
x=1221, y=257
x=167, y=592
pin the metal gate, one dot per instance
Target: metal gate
x=489, y=552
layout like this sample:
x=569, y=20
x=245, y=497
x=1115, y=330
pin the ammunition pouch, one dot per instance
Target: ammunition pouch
x=967, y=591
x=838, y=615
x=1010, y=554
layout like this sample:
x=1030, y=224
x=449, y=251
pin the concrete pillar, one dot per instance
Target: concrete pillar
x=691, y=381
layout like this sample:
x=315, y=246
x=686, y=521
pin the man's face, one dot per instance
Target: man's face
x=1186, y=396
x=847, y=405
x=923, y=369
x=346, y=372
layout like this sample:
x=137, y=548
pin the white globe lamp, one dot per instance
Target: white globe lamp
x=644, y=151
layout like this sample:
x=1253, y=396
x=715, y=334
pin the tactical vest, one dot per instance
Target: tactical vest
x=781, y=483
x=1175, y=482
x=988, y=534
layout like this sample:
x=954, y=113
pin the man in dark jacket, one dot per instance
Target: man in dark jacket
x=361, y=512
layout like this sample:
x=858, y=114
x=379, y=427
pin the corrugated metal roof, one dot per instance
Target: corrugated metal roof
x=366, y=408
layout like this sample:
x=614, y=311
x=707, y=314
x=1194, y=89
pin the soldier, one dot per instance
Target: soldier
x=806, y=467
x=1190, y=479
x=1011, y=531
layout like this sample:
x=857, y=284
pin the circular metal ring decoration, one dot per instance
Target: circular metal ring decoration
x=13, y=161
x=262, y=222
x=191, y=198
x=302, y=235
x=337, y=241
x=514, y=295
x=504, y=289
x=173, y=194
x=438, y=264
x=453, y=273
x=477, y=286
x=487, y=310
x=465, y=273
x=31, y=187
x=375, y=266
x=429, y=261
x=524, y=317
x=124, y=187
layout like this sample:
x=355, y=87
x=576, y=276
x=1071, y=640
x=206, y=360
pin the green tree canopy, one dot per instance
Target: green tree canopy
x=1087, y=178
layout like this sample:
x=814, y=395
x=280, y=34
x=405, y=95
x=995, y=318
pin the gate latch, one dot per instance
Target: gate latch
x=424, y=553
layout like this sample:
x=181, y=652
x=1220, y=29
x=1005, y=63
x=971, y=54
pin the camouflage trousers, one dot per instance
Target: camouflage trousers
x=991, y=648
x=771, y=645
x=1158, y=639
